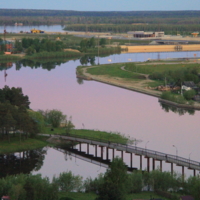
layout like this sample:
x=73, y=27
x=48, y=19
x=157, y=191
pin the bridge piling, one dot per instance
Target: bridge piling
x=172, y=170
x=95, y=150
x=87, y=148
x=183, y=173
x=140, y=162
x=107, y=153
x=131, y=160
x=194, y=172
x=80, y=146
x=153, y=164
x=101, y=152
x=148, y=164
x=122, y=155
x=113, y=153
x=161, y=165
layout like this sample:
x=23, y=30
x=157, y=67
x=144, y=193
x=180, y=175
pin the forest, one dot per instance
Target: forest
x=182, y=22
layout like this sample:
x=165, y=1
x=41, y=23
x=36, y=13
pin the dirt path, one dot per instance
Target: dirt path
x=145, y=75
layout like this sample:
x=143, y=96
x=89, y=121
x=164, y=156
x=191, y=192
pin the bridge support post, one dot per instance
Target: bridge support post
x=161, y=165
x=131, y=159
x=72, y=144
x=101, y=152
x=153, y=164
x=148, y=164
x=183, y=173
x=122, y=155
x=172, y=170
x=95, y=150
x=80, y=146
x=113, y=153
x=140, y=162
x=107, y=153
x=194, y=172
x=87, y=148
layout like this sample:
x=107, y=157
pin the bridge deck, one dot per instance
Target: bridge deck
x=180, y=161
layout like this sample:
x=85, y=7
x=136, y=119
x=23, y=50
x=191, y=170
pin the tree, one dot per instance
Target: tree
x=135, y=182
x=18, y=46
x=102, y=42
x=189, y=94
x=193, y=185
x=67, y=182
x=15, y=96
x=53, y=117
x=114, y=186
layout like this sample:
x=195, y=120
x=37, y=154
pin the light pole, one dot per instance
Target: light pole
x=176, y=151
x=189, y=158
x=146, y=146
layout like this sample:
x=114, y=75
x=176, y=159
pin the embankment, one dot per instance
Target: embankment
x=161, y=48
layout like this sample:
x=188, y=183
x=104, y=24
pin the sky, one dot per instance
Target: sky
x=102, y=5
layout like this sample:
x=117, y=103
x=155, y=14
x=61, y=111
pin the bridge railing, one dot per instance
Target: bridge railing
x=141, y=151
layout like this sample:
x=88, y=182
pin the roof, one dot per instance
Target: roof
x=186, y=197
x=5, y=42
x=190, y=84
x=5, y=197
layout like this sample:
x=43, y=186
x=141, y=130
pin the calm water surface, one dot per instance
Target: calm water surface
x=17, y=29
x=104, y=107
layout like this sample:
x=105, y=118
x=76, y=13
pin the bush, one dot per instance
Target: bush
x=189, y=94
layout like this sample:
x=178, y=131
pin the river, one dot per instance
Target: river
x=17, y=29
x=104, y=107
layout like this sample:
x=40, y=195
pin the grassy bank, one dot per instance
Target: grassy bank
x=94, y=134
x=112, y=70
x=16, y=146
x=149, y=68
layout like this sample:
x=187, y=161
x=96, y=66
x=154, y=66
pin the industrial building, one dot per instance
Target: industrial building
x=142, y=34
x=6, y=46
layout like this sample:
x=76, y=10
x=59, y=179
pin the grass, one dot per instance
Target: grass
x=15, y=146
x=113, y=70
x=92, y=196
x=94, y=134
x=150, y=68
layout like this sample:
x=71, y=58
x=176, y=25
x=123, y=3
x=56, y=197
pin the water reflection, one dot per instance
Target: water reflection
x=179, y=111
x=48, y=65
x=21, y=162
x=79, y=81
x=84, y=60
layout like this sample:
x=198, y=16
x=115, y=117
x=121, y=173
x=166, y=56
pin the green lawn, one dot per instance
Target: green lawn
x=150, y=68
x=113, y=70
x=93, y=134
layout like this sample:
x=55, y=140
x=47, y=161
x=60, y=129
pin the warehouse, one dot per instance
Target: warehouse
x=142, y=34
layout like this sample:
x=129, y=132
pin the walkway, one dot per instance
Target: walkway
x=159, y=156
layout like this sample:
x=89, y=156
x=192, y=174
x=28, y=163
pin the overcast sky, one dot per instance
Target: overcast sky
x=103, y=5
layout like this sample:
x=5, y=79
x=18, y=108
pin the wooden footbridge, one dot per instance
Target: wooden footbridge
x=141, y=152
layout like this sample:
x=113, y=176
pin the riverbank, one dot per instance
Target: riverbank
x=160, y=48
x=141, y=86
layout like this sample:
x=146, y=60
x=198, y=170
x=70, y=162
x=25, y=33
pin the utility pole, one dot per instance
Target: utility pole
x=98, y=49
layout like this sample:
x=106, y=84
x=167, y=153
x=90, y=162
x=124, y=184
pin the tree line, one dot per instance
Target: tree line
x=36, y=45
x=114, y=184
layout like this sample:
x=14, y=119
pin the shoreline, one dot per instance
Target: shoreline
x=113, y=82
